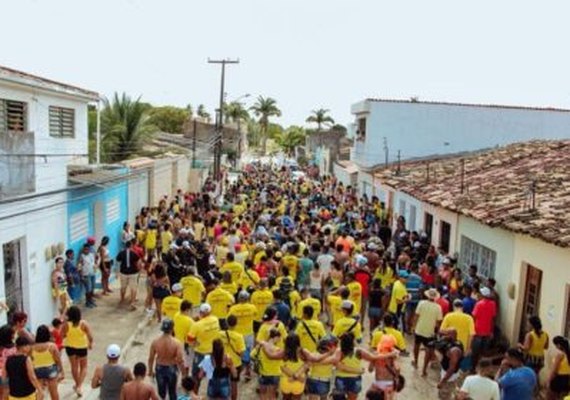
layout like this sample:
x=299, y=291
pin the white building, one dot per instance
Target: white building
x=414, y=129
x=43, y=129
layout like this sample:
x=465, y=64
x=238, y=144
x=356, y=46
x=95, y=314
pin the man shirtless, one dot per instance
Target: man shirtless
x=168, y=353
x=139, y=389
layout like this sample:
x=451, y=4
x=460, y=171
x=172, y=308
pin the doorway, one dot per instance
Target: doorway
x=445, y=236
x=428, y=225
x=531, y=298
x=13, y=276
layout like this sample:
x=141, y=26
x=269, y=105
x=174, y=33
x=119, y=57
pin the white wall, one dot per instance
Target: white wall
x=409, y=203
x=343, y=175
x=366, y=184
x=439, y=215
x=161, y=180
x=51, y=173
x=420, y=129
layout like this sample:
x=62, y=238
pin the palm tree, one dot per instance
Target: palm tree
x=290, y=138
x=235, y=112
x=264, y=108
x=124, y=127
x=320, y=117
x=202, y=113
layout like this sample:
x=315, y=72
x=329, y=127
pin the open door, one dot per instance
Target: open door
x=13, y=276
x=531, y=298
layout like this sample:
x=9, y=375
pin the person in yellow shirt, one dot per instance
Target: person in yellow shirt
x=171, y=304
x=199, y=228
x=399, y=295
x=334, y=302
x=201, y=336
x=307, y=300
x=182, y=324
x=234, y=346
x=259, y=252
x=291, y=261
x=309, y=330
x=166, y=237
x=347, y=324
x=355, y=291
x=220, y=300
x=249, y=278
x=459, y=322
x=245, y=313
x=193, y=289
x=227, y=283
x=235, y=268
x=388, y=329
x=261, y=299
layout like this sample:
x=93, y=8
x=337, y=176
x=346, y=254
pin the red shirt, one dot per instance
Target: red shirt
x=261, y=270
x=444, y=304
x=484, y=313
x=363, y=278
x=57, y=338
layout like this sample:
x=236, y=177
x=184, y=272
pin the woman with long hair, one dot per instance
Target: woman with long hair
x=219, y=369
x=160, y=288
x=7, y=349
x=348, y=368
x=77, y=339
x=559, y=376
x=534, y=345
x=59, y=286
x=105, y=263
x=46, y=361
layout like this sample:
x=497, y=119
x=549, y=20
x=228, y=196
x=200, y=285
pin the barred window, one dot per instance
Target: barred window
x=12, y=116
x=475, y=253
x=61, y=122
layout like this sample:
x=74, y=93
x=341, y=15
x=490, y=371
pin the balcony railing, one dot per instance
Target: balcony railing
x=17, y=163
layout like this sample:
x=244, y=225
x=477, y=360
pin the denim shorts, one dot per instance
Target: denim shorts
x=219, y=388
x=375, y=312
x=317, y=387
x=46, y=372
x=198, y=357
x=348, y=384
x=268, y=380
x=249, y=342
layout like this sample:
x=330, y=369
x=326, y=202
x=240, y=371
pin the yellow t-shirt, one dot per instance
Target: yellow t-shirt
x=294, y=300
x=350, y=361
x=205, y=331
x=165, y=239
x=248, y=278
x=257, y=257
x=315, y=303
x=399, y=293
x=192, y=289
x=198, y=231
x=150, y=239
x=265, y=328
x=270, y=367
x=234, y=268
x=261, y=299
x=231, y=287
x=221, y=254
x=220, y=300
x=317, y=330
x=463, y=324
x=237, y=346
x=245, y=314
x=170, y=306
x=429, y=313
x=321, y=371
x=355, y=295
x=292, y=263
x=386, y=278
x=343, y=325
x=378, y=333
x=334, y=306
x=182, y=325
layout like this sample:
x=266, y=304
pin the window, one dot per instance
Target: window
x=12, y=116
x=113, y=210
x=428, y=225
x=445, y=236
x=61, y=122
x=361, y=129
x=78, y=226
x=475, y=253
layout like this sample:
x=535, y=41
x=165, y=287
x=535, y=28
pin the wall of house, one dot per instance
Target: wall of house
x=347, y=178
x=138, y=193
x=160, y=180
x=97, y=212
x=554, y=262
x=439, y=215
x=41, y=226
x=366, y=184
x=412, y=211
x=183, y=167
x=51, y=172
x=419, y=129
x=503, y=243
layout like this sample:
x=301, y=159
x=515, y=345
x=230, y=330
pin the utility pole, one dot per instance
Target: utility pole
x=220, y=120
x=398, y=170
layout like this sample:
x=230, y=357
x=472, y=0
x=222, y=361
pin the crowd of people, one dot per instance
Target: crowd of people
x=297, y=283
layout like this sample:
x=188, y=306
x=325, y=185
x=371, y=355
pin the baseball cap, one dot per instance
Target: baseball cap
x=347, y=305
x=186, y=244
x=485, y=292
x=243, y=295
x=361, y=260
x=167, y=325
x=403, y=274
x=205, y=308
x=177, y=287
x=113, y=351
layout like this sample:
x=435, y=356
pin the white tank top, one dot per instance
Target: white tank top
x=315, y=282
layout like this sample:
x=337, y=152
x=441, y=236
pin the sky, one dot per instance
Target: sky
x=307, y=54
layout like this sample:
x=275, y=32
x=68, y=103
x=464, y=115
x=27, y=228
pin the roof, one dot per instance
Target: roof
x=24, y=78
x=445, y=103
x=95, y=175
x=349, y=166
x=500, y=187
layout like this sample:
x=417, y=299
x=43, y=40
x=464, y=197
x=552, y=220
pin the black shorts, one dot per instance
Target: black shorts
x=560, y=384
x=423, y=340
x=72, y=351
x=256, y=326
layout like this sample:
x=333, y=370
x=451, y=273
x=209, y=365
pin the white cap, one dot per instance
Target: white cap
x=113, y=351
x=205, y=308
x=186, y=244
x=177, y=287
x=485, y=292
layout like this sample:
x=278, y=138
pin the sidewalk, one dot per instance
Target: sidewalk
x=109, y=324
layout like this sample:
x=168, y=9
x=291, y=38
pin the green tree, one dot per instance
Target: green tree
x=320, y=117
x=265, y=108
x=235, y=112
x=202, y=113
x=125, y=127
x=290, y=138
x=168, y=118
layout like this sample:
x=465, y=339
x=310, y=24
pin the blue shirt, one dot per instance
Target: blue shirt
x=518, y=384
x=413, y=284
x=468, y=305
x=283, y=313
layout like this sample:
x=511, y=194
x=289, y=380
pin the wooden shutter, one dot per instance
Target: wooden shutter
x=61, y=121
x=12, y=116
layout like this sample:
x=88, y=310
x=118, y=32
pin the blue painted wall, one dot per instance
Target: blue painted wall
x=84, y=200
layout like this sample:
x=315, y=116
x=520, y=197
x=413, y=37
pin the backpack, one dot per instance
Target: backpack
x=286, y=287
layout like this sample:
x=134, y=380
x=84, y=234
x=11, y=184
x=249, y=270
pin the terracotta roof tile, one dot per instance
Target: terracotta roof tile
x=498, y=187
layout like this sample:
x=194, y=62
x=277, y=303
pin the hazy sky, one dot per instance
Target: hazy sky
x=305, y=53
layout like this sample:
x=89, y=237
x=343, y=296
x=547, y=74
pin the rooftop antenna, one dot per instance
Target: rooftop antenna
x=386, y=151
x=398, y=169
